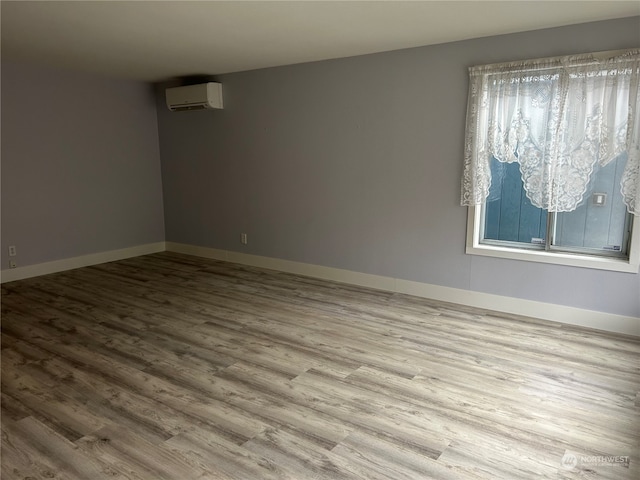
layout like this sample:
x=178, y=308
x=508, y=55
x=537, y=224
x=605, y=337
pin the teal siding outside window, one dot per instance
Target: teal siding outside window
x=510, y=216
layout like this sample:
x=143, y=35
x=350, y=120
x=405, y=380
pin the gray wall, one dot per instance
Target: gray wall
x=80, y=164
x=355, y=163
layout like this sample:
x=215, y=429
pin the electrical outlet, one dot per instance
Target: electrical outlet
x=13, y=264
x=12, y=251
x=599, y=199
x=243, y=238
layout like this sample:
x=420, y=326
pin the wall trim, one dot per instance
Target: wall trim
x=516, y=306
x=530, y=308
x=21, y=273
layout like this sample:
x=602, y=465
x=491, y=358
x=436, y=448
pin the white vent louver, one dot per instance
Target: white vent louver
x=194, y=97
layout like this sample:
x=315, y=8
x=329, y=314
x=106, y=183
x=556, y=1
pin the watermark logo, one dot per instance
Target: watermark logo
x=570, y=461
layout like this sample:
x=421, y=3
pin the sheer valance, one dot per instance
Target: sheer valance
x=558, y=118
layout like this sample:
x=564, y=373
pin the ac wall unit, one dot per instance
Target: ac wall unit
x=194, y=97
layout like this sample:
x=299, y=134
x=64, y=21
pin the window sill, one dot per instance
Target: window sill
x=557, y=258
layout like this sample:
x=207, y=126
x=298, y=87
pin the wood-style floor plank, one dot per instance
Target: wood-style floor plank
x=169, y=366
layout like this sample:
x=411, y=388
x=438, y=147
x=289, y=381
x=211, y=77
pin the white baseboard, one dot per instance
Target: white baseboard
x=546, y=311
x=46, y=268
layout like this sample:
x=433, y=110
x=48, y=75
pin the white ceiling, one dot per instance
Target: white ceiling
x=152, y=41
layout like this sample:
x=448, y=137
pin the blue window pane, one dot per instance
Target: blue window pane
x=509, y=214
x=600, y=221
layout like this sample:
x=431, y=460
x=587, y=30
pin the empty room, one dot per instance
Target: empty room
x=307, y=240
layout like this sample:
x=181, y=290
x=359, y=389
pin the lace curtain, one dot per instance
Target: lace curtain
x=557, y=118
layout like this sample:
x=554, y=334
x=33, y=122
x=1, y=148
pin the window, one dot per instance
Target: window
x=552, y=160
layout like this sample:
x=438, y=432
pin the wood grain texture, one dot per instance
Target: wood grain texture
x=175, y=367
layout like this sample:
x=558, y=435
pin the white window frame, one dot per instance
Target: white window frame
x=475, y=247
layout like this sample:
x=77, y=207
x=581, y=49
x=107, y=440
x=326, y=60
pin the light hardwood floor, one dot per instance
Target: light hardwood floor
x=175, y=367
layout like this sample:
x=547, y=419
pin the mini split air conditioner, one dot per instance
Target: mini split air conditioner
x=194, y=97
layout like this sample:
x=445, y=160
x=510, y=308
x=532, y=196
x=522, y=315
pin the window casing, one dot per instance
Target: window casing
x=531, y=253
x=579, y=215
